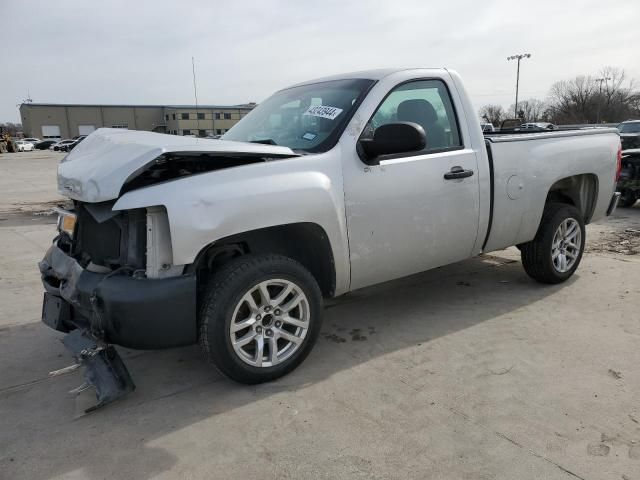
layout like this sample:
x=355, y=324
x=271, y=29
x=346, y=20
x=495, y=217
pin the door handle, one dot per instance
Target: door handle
x=457, y=172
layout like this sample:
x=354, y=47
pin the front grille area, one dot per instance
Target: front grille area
x=107, y=238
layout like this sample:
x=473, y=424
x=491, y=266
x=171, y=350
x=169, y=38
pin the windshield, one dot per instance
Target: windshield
x=308, y=117
x=631, y=127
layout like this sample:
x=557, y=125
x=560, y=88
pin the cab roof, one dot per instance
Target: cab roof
x=375, y=74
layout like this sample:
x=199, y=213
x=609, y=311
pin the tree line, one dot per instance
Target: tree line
x=608, y=97
x=10, y=129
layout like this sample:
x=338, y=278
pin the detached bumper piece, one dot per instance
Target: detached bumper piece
x=104, y=369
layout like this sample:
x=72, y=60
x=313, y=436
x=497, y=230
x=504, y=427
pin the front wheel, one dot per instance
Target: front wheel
x=555, y=252
x=260, y=317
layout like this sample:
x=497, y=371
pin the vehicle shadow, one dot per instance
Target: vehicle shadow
x=43, y=436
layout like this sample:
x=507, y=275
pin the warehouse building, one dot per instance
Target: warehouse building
x=49, y=120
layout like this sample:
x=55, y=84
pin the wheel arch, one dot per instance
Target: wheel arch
x=581, y=191
x=305, y=242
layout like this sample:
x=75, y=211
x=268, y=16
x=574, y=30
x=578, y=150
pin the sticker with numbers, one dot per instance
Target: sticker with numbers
x=323, y=111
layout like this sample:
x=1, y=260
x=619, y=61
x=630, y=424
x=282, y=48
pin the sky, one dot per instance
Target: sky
x=139, y=52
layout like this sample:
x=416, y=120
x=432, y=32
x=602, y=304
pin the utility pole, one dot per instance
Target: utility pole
x=518, y=57
x=600, y=82
x=195, y=93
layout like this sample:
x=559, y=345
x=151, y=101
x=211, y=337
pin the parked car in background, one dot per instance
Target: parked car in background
x=32, y=140
x=386, y=177
x=538, y=126
x=487, y=127
x=61, y=144
x=71, y=146
x=22, y=146
x=45, y=144
x=630, y=134
x=510, y=124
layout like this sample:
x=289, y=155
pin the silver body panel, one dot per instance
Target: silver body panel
x=211, y=206
x=382, y=222
x=535, y=162
x=402, y=216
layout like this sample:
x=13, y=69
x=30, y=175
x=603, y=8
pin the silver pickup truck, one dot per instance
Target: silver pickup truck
x=326, y=187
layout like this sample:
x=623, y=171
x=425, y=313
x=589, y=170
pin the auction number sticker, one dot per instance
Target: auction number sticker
x=323, y=111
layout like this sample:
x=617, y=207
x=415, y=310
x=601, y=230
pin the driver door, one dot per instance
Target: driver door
x=403, y=215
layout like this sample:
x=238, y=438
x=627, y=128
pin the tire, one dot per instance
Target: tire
x=628, y=198
x=537, y=257
x=227, y=304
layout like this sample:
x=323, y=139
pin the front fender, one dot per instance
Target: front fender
x=207, y=207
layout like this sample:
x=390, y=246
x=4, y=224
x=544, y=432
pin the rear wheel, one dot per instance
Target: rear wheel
x=555, y=252
x=260, y=318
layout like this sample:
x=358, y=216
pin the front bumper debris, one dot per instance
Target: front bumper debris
x=117, y=307
x=98, y=310
x=104, y=369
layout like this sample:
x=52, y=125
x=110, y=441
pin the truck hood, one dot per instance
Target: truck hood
x=99, y=166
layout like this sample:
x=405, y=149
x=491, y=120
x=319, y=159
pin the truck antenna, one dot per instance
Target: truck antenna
x=195, y=91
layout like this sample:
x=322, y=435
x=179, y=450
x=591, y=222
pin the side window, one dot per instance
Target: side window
x=425, y=102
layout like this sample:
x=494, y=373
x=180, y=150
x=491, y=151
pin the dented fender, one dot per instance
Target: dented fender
x=210, y=206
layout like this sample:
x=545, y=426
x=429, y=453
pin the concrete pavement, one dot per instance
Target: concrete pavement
x=470, y=371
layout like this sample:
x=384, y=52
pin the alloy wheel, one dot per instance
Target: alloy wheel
x=269, y=323
x=566, y=245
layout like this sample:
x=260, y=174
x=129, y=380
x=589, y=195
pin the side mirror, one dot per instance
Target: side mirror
x=392, y=138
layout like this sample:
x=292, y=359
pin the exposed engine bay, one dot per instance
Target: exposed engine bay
x=171, y=166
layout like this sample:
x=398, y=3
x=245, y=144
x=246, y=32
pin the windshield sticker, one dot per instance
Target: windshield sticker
x=323, y=111
x=309, y=136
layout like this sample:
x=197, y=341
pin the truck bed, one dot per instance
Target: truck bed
x=524, y=164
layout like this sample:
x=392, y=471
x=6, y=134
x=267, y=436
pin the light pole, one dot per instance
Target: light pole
x=518, y=57
x=600, y=81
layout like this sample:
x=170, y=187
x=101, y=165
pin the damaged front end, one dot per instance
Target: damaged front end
x=62, y=311
x=110, y=277
x=100, y=290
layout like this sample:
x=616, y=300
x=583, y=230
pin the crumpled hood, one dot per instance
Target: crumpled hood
x=98, y=167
